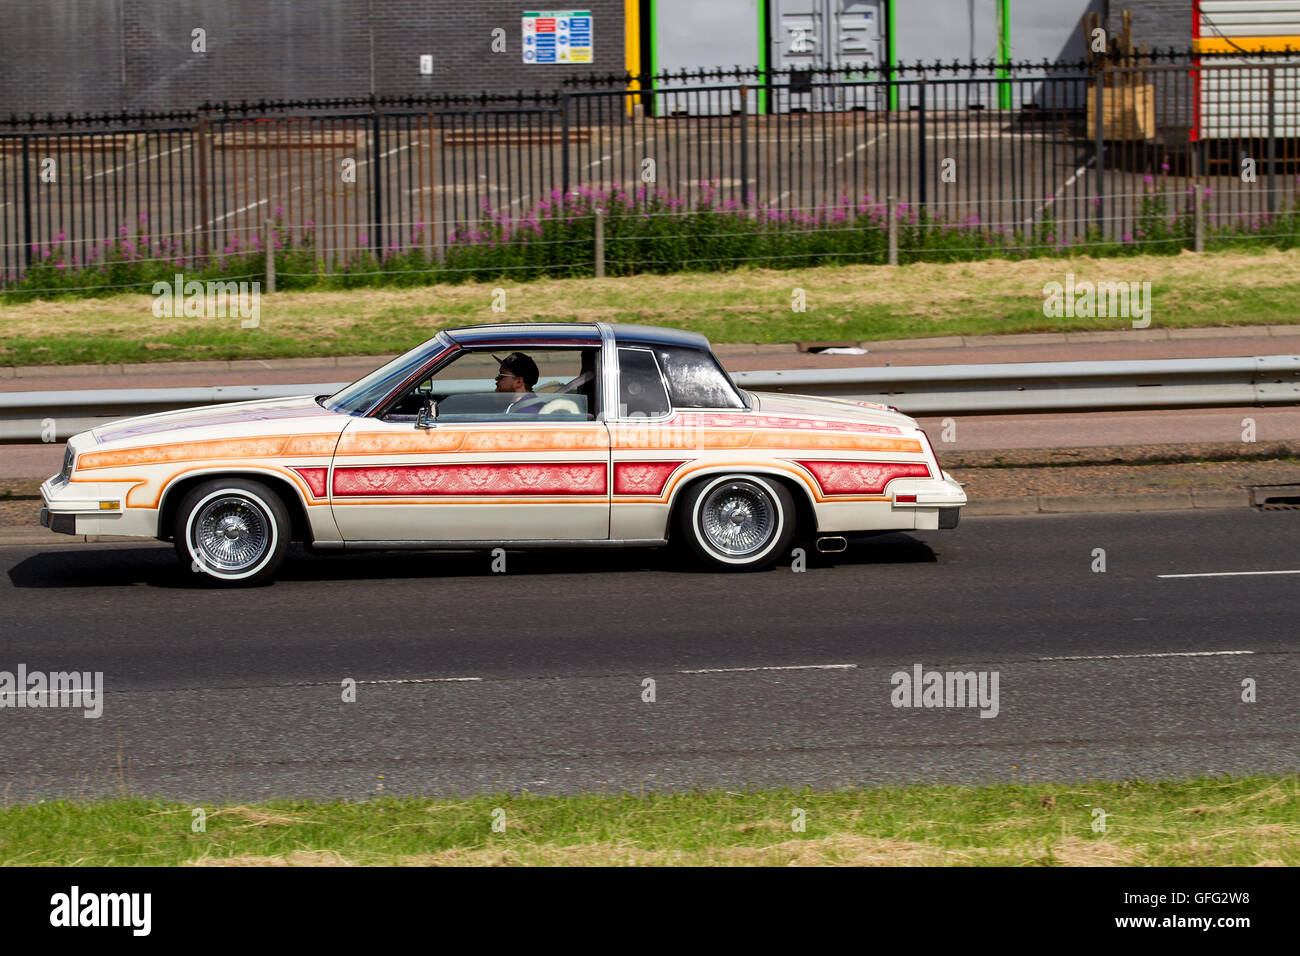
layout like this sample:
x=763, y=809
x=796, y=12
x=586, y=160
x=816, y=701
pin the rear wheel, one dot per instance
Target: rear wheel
x=232, y=530
x=737, y=522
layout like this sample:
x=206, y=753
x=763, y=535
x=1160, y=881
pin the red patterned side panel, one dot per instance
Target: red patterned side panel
x=642, y=477
x=315, y=478
x=862, y=477
x=564, y=478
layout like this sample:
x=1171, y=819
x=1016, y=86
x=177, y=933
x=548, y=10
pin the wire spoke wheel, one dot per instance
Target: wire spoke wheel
x=738, y=519
x=231, y=533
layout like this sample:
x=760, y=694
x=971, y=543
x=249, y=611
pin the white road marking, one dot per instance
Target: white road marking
x=1064, y=186
x=859, y=149
x=252, y=205
x=1125, y=657
x=603, y=159
x=138, y=162
x=395, y=149
x=423, y=680
x=1224, y=574
x=788, y=667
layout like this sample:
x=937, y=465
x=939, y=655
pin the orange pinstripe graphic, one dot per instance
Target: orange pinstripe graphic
x=445, y=441
x=140, y=483
x=273, y=446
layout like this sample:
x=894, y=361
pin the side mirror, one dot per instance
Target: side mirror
x=428, y=415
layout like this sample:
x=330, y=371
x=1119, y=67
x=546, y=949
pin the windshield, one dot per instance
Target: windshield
x=361, y=395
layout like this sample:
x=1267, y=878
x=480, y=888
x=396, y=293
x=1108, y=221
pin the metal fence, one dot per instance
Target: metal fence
x=1088, y=154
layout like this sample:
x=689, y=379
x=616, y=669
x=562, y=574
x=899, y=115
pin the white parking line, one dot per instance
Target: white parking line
x=1224, y=574
x=138, y=162
x=1064, y=186
x=854, y=152
x=603, y=159
x=789, y=667
x=1125, y=657
x=252, y=205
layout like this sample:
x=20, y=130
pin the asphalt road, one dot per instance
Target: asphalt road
x=533, y=679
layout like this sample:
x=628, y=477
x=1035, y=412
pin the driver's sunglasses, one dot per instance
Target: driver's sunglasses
x=505, y=375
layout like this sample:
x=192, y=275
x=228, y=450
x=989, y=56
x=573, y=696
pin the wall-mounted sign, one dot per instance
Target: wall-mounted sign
x=557, y=36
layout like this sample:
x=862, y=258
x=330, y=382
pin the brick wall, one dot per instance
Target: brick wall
x=108, y=55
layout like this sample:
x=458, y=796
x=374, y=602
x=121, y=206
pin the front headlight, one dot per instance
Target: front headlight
x=68, y=458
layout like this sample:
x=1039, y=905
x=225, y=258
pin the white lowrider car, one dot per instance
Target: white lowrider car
x=630, y=436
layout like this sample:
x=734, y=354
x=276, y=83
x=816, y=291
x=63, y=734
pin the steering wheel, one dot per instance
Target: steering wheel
x=561, y=405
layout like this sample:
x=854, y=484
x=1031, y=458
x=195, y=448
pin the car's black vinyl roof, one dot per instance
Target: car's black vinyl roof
x=570, y=333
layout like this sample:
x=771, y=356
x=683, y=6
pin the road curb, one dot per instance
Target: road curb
x=1109, y=503
x=982, y=507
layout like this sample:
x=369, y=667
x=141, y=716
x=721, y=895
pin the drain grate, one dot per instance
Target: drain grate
x=1276, y=497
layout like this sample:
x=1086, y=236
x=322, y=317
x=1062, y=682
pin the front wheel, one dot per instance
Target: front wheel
x=737, y=522
x=233, y=531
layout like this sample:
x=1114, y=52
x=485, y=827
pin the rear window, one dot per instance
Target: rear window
x=695, y=380
x=640, y=386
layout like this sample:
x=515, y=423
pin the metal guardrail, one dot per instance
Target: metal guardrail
x=915, y=390
x=1051, y=386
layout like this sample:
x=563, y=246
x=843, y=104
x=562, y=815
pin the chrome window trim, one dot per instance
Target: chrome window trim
x=608, y=373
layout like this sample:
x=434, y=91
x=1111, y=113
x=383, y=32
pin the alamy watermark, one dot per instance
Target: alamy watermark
x=1110, y=300
x=922, y=688
x=208, y=300
x=42, y=689
x=129, y=910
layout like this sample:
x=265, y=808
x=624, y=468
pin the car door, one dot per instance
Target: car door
x=488, y=468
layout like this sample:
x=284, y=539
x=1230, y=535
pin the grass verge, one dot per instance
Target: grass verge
x=1205, y=822
x=749, y=305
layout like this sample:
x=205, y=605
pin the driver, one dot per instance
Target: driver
x=518, y=373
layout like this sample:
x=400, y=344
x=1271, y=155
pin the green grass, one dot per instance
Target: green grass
x=751, y=305
x=1210, y=821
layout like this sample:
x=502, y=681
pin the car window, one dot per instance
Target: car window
x=641, y=392
x=362, y=394
x=466, y=389
x=695, y=380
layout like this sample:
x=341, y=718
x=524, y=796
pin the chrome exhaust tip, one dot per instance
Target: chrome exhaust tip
x=832, y=545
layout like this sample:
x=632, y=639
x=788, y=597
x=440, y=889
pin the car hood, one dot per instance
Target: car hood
x=780, y=403
x=234, y=418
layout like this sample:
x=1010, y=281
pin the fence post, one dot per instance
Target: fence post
x=201, y=134
x=600, y=243
x=744, y=146
x=920, y=144
x=891, y=228
x=1198, y=219
x=564, y=147
x=27, y=200
x=268, y=246
x=1099, y=148
x=1272, y=131
x=377, y=179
